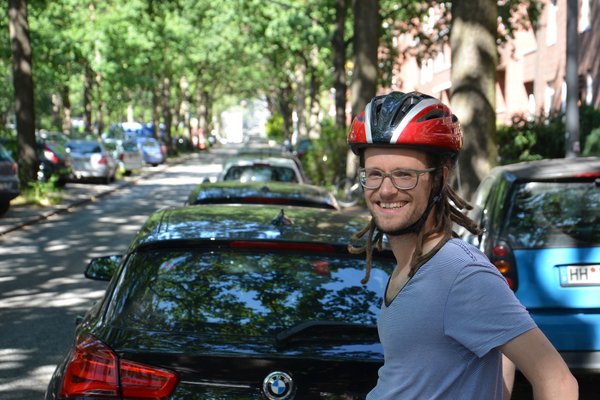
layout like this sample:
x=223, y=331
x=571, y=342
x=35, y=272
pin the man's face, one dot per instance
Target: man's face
x=393, y=209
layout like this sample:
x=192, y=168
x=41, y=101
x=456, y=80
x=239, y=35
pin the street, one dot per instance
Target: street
x=43, y=290
x=42, y=287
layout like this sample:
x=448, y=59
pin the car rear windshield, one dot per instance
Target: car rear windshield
x=85, y=147
x=555, y=214
x=261, y=174
x=246, y=293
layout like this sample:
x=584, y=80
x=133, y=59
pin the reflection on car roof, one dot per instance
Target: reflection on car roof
x=251, y=222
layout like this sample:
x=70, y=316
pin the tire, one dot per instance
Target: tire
x=4, y=205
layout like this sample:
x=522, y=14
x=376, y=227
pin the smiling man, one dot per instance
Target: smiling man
x=448, y=315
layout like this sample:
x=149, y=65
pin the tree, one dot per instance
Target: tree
x=23, y=86
x=473, y=89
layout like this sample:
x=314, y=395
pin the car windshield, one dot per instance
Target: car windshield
x=245, y=293
x=130, y=146
x=555, y=214
x=255, y=173
x=85, y=147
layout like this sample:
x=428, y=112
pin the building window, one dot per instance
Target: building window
x=548, y=98
x=551, y=23
x=585, y=15
x=589, y=89
x=531, y=105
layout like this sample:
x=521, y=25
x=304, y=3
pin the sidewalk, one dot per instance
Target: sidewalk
x=74, y=195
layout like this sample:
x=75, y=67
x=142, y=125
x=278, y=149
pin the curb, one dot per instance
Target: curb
x=68, y=207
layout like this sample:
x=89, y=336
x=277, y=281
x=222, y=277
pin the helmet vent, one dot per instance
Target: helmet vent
x=433, y=114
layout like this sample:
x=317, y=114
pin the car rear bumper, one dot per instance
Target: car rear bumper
x=575, y=335
x=582, y=360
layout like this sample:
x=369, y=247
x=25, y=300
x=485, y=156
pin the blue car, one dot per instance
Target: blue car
x=154, y=152
x=541, y=228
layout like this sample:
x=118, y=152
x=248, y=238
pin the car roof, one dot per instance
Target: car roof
x=262, y=193
x=560, y=168
x=250, y=159
x=250, y=222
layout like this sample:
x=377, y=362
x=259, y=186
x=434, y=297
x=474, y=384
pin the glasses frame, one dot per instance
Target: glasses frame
x=362, y=177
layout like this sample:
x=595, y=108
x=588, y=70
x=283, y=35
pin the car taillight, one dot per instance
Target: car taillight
x=122, y=156
x=502, y=257
x=50, y=156
x=95, y=370
x=14, y=168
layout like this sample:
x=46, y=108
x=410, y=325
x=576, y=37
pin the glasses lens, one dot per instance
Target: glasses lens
x=404, y=179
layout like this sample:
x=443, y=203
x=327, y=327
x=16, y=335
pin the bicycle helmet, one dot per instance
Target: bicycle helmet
x=406, y=119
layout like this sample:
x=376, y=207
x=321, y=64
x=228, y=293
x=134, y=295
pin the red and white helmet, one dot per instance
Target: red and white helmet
x=406, y=119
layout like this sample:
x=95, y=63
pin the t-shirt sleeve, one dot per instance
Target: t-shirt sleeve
x=482, y=311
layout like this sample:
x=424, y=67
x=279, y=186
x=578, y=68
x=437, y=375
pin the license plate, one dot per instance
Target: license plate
x=580, y=275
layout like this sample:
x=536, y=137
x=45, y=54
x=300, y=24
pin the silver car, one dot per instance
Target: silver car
x=92, y=160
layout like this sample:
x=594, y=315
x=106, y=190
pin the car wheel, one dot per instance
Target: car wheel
x=4, y=205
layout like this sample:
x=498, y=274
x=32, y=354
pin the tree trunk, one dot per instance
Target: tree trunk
x=339, y=64
x=367, y=31
x=22, y=69
x=473, y=91
x=87, y=98
x=167, y=115
x=300, y=104
x=67, y=121
x=156, y=96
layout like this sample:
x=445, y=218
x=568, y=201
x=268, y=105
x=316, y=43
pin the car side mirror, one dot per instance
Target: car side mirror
x=102, y=268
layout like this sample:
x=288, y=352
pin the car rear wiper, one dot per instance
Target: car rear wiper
x=327, y=331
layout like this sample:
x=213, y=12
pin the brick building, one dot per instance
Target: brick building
x=531, y=68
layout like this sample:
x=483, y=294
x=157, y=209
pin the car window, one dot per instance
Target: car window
x=555, y=214
x=4, y=155
x=247, y=293
x=85, y=147
x=129, y=146
x=260, y=174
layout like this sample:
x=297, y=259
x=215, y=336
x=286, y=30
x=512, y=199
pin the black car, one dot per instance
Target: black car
x=541, y=228
x=231, y=302
x=9, y=180
x=55, y=161
x=293, y=194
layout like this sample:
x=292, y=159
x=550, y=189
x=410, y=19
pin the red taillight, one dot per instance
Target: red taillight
x=92, y=370
x=503, y=259
x=144, y=382
x=595, y=174
x=14, y=168
x=102, y=160
x=122, y=156
x=50, y=156
x=95, y=370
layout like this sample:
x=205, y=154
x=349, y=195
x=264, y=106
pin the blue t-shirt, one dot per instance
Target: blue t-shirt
x=441, y=332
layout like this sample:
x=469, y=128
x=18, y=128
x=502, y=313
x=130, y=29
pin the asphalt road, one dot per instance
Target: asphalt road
x=42, y=287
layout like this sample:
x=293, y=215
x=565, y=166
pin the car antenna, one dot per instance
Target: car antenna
x=281, y=219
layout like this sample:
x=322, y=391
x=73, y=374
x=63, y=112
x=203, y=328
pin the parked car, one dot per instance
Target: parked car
x=91, y=160
x=541, y=223
x=293, y=194
x=153, y=151
x=9, y=180
x=259, y=168
x=231, y=302
x=128, y=154
x=55, y=160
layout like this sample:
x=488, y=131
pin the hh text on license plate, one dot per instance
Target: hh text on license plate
x=580, y=275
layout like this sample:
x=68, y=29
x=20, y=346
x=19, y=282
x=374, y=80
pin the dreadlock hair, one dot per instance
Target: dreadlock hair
x=447, y=211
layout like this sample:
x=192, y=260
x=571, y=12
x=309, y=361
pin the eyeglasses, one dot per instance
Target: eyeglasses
x=402, y=179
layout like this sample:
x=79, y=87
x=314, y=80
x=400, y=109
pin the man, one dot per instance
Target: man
x=448, y=315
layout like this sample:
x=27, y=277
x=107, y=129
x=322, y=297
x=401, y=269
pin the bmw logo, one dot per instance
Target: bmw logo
x=278, y=386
